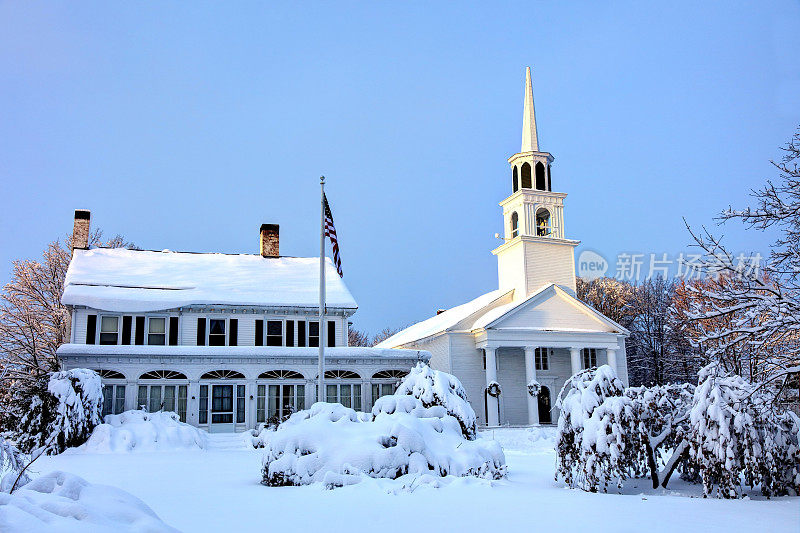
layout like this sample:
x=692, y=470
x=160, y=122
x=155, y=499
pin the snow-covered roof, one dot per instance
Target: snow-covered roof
x=117, y=279
x=442, y=321
x=493, y=310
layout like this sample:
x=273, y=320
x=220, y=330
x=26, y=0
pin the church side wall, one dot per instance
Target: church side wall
x=511, y=376
x=467, y=366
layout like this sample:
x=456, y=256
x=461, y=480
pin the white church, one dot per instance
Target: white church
x=514, y=348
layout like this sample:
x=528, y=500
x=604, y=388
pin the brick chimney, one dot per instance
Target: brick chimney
x=270, y=240
x=80, y=230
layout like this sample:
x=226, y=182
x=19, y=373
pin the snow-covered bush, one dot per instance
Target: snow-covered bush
x=142, y=431
x=432, y=388
x=337, y=446
x=737, y=437
x=662, y=420
x=12, y=463
x=595, y=444
x=63, y=502
x=63, y=415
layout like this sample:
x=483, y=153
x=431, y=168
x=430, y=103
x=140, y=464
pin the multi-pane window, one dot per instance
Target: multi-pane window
x=109, y=329
x=216, y=332
x=240, y=404
x=542, y=358
x=113, y=399
x=276, y=401
x=313, y=333
x=589, y=357
x=163, y=396
x=274, y=333
x=203, y=408
x=384, y=382
x=157, y=331
x=344, y=387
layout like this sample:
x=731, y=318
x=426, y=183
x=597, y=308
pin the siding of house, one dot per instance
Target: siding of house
x=549, y=263
x=511, y=376
x=467, y=365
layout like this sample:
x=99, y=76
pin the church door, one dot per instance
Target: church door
x=544, y=406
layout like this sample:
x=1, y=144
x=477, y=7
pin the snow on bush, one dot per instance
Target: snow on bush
x=63, y=502
x=432, y=388
x=63, y=415
x=142, y=431
x=12, y=463
x=594, y=444
x=737, y=437
x=338, y=446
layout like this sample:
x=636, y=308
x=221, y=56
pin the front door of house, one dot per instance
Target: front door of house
x=221, y=408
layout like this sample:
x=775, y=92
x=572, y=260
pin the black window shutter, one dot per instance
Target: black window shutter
x=173, y=331
x=301, y=333
x=290, y=333
x=91, y=327
x=259, y=333
x=126, y=330
x=331, y=333
x=139, y=337
x=201, y=331
x=233, y=335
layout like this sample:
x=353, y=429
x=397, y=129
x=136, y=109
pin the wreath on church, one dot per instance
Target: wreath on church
x=493, y=389
x=534, y=388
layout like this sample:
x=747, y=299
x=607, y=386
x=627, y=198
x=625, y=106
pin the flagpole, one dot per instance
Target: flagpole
x=321, y=364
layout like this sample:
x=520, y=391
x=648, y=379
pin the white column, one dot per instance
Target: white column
x=492, y=403
x=530, y=375
x=575, y=358
x=611, y=355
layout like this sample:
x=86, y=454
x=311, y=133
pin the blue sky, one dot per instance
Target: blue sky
x=187, y=125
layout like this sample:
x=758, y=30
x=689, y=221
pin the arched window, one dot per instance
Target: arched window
x=341, y=374
x=544, y=406
x=109, y=374
x=526, y=176
x=515, y=180
x=390, y=374
x=549, y=183
x=543, y=222
x=541, y=180
x=281, y=374
x=222, y=374
x=514, y=224
x=163, y=374
x=344, y=389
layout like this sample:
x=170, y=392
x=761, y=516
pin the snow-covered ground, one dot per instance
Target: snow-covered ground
x=218, y=489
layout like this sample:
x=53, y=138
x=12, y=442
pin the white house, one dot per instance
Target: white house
x=226, y=341
x=532, y=333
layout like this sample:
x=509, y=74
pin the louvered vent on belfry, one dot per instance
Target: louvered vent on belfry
x=163, y=374
x=222, y=374
x=281, y=374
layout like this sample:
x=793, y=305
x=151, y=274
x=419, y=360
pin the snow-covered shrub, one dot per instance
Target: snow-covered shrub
x=142, y=431
x=737, y=437
x=662, y=419
x=432, y=388
x=63, y=415
x=63, y=502
x=12, y=463
x=595, y=444
x=337, y=446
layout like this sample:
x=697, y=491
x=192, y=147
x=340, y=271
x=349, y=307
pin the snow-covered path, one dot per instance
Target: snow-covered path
x=219, y=490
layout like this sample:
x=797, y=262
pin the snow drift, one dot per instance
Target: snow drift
x=142, y=431
x=63, y=502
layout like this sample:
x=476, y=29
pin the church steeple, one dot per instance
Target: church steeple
x=530, y=139
x=535, y=250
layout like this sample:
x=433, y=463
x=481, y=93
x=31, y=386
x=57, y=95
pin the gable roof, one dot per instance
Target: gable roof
x=549, y=306
x=493, y=311
x=444, y=321
x=117, y=279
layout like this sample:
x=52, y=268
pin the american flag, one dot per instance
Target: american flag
x=330, y=232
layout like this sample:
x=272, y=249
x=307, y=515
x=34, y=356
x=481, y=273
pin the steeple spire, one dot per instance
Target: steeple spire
x=530, y=142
